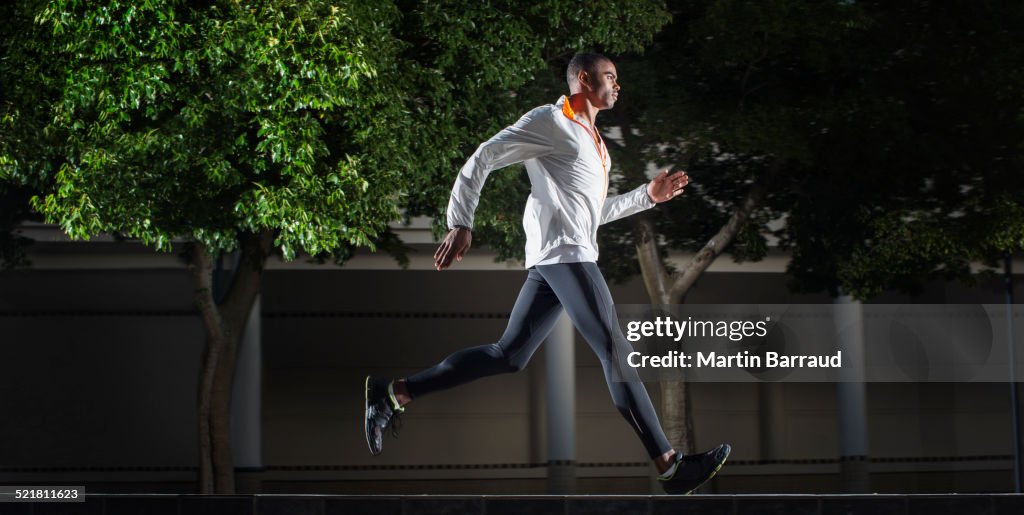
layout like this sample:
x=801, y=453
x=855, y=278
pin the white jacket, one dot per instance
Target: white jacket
x=569, y=184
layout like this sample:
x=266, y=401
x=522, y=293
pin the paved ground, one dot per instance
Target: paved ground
x=884, y=504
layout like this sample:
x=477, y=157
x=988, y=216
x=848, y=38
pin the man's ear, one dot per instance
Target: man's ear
x=584, y=79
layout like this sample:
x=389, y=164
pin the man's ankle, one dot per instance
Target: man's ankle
x=665, y=462
x=401, y=393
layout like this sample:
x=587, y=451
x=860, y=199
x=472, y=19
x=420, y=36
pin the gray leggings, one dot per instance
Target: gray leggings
x=581, y=290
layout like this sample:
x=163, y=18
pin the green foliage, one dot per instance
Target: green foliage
x=898, y=129
x=206, y=121
x=316, y=120
x=925, y=168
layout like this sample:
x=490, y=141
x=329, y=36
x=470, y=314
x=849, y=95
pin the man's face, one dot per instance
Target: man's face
x=603, y=88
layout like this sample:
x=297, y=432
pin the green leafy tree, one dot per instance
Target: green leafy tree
x=879, y=144
x=290, y=126
x=14, y=196
x=940, y=187
x=883, y=140
x=237, y=126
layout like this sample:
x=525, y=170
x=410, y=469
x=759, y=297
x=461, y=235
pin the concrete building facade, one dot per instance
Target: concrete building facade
x=102, y=347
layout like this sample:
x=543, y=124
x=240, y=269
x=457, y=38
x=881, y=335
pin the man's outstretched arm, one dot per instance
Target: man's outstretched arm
x=662, y=188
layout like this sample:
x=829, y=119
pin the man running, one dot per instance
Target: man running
x=568, y=165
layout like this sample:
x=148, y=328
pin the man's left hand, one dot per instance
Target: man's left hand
x=665, y=187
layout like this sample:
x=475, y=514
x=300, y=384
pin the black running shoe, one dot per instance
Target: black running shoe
x=691, y=471
x=381, y=413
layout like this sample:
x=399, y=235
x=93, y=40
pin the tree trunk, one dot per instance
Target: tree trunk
x=224, y=325
x=652, y=269
x=220, y=416
x=678, y=415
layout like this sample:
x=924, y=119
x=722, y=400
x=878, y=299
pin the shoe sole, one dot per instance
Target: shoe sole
x=366, y=427
x=728, y=451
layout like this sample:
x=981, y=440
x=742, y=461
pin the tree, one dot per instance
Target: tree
x=15, y=195
x=732, y=92
x=287, y=125
x=239, y=127
x=880, y=145
x=885, y=139
x=946, y=131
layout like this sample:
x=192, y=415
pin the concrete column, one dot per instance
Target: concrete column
x=853, y=434
x=246, y=405
x=538, y=403
x=772, y=417
x=561, y=407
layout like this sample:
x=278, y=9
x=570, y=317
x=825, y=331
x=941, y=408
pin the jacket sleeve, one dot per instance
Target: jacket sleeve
x=528, y=138
x=619, y=206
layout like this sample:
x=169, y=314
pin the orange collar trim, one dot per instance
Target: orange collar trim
x=567, y=109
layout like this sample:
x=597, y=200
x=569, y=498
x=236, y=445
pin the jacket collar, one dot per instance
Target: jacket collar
x=567, y=107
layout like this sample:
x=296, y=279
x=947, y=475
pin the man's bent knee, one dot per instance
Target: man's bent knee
x=510, y=362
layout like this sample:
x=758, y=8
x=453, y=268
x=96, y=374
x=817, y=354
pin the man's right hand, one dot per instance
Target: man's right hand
x=454, y=246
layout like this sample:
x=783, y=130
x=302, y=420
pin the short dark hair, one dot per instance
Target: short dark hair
x=582, y=62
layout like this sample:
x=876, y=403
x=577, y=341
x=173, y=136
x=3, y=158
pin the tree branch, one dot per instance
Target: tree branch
x=684, y=279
